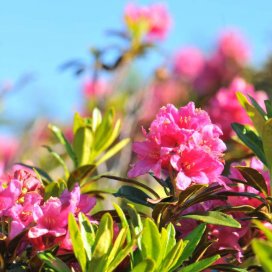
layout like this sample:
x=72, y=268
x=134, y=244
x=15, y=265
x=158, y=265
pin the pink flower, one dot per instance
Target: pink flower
x=153, y=21
x=50, y=219
x=225, y=109
x=95, y=89
x=183, y=141
x=9, y=193
x=188, y=63
x=233, y=46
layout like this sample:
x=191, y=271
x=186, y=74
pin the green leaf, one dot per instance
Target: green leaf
x=53, y=262
x=112, y=151
x=267, y=143
x=58, y=159
x=192, y=239
x=263, y=251
x=268, y=107
x=168, y=239
x=103, y=243
x=250, y=139
x=227, y=267
x=60, y=136
x=254, y=179
x=122, y=254
x=54, y=189
x=87, y=234
x=83, y=141
x=200, y=265
x=215, y=218
x=96, y=119
x=117, y=246
x=78, y=122
x=172, y=257
x=78, y=175
x=147, y=265
x=123, y=219
x=256, y=113
x=150, y=241
x=77, y=242
x=133, y=194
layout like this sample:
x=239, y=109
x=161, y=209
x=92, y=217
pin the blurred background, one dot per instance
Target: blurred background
x=36, y=38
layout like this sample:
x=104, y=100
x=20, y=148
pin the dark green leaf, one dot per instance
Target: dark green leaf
x=250, y=139
x=253, y=178
x=133, y=194
x=215, y=218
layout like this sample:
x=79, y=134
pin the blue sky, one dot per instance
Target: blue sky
x=37, y=36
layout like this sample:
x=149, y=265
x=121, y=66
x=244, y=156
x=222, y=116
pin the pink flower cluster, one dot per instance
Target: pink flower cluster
x=22, y=202
x=224, y=108
x=226, y=237
x=154, y=20
x=205, y=74
x=182, y=142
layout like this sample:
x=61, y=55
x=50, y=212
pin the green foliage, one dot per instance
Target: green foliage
x=263, y=248
x=260, y=142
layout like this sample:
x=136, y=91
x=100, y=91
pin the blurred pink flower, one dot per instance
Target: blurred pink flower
x=184, y=141
x=232, y=45
x=161, y=93
x=95, y=89
x=8, y=148
x=153, y=21
x=225, y=109
x=188, y=63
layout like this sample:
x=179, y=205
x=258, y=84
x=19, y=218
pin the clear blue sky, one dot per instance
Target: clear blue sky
x=37, y=36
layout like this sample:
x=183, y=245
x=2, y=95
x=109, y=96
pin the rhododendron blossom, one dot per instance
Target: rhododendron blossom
x=182, y=141
x=188, y=63
x=153, y=20
x=224, y=108
x=95, y=89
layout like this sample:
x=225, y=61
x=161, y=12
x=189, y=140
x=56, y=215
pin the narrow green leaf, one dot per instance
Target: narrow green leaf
x=96, y=119
x=53, y=262
x=215, y=218
x=172, y=257
x=113, y=259
x=147, y=265
x=200, y=265
x=133, y=194
x=254, y=178
x=87, y=234
x=268, y=107
x=78, y=122
x=103, y=243
x=150, y=241
x=58, y=159
x=112, y=151
x=168, y=239
x=123, y=219
x=263, y=251
x=256, y=113
x=267, y=143
x=77, y=242
x=250, y=139
x=60, y=136
x=83, y=141
x=192, y=239
x=227, y=267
